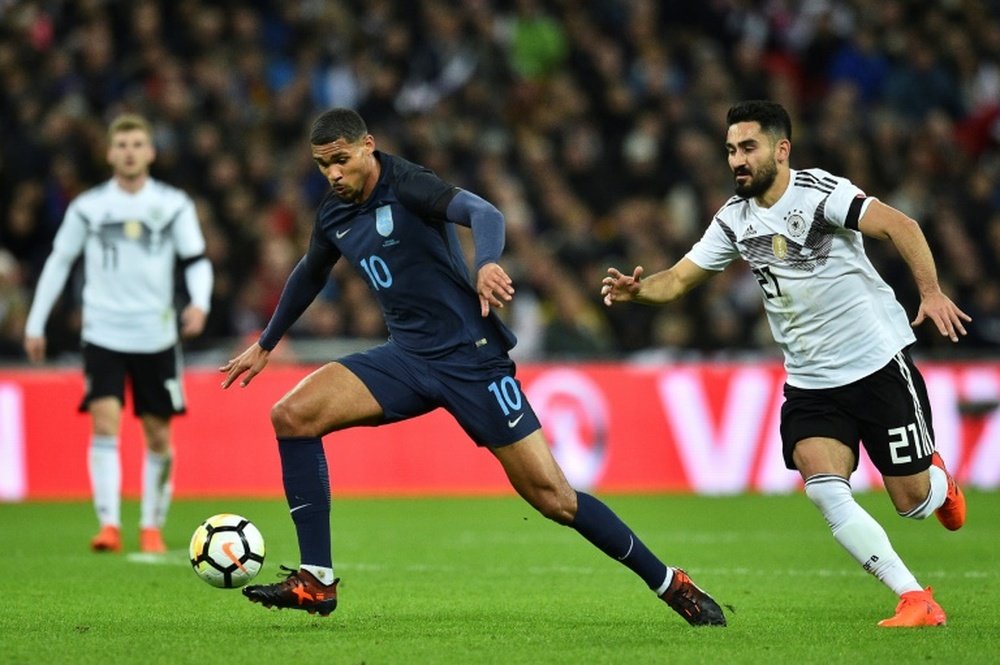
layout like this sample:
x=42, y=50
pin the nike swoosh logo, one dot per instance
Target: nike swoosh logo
x=341, y=234
x=513, y=423
x=299, y=507
x=227, y=549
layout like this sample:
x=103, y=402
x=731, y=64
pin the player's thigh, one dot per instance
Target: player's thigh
x=536, y=476
x=156, y=383
x=818, y=434
x=894, y=413
x=821, y=455
x=104, y=374
x=328, y=399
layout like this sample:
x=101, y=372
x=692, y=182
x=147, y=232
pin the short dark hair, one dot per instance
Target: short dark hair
x=772, y=116
x=336, y=124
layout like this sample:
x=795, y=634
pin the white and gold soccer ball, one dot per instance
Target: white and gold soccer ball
x=227, y=550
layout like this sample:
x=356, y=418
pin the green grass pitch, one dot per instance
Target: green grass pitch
x=486, y=580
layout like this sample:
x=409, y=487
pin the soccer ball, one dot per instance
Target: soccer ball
x=227, y=550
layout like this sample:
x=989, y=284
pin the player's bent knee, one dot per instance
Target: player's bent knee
x=554, y=506
x=287, y=420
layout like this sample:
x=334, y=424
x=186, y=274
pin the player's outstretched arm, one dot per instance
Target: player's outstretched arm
x=250, y=362
x=662, y=287
x=495, y=287
x=885, y=222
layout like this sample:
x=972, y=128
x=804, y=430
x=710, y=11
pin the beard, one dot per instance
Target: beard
x=759, y=182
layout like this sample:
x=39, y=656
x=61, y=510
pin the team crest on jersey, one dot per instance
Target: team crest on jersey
x=383, y=221
x=779, y=246
x=796, y=224
x=132, y=229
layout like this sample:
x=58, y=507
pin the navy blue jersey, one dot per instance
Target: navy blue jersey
x=400, y=241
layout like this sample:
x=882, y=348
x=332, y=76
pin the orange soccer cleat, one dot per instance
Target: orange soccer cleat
x=916, y=609
x=952, y=512
x=151, y=541
x=108, y=539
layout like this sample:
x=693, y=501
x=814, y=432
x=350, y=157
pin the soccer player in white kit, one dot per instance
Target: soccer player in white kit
x=131, y=230
x=844, y=336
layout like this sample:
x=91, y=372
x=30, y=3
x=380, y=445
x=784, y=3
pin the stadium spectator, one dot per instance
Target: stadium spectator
x=845, y=338
x=395, y=223
x=601, y=98
x=130, y=231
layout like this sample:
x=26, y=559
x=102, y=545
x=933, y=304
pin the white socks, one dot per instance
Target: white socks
x=156, y=490
x=105, y=479
x=858, y=532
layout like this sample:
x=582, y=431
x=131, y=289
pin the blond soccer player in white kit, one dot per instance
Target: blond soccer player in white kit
x=132, y=230
x=844, y=336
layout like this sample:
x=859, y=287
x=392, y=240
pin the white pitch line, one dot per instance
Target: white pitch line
x=169, y=558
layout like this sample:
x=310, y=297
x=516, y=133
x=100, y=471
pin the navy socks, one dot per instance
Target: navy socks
x=307, y=488
x=599, y=524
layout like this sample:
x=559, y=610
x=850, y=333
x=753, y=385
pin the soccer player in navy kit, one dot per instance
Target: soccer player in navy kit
x=394, y=221
x=844, y=336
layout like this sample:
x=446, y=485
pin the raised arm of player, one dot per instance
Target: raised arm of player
x=661, y=287
x=885, y=222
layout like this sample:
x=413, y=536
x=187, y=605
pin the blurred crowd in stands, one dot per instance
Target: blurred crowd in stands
x=596, y=126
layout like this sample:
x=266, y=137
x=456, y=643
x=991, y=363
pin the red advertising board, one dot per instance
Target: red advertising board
x=705, y=428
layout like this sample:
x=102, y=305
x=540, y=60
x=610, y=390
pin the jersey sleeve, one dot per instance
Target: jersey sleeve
x=486, y=221
x=423, y=192
x=188, y=238
x=716, y=249
x=190, y=244
x=66, y=247
x=846, y=204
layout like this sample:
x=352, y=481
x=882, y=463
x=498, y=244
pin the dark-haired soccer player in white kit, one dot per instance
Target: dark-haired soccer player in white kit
x=395, y=222
x=132, y=230
x=844, y=336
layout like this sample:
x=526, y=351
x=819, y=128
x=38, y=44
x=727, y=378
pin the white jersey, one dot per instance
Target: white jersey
x=833, y=316
x=130, y=243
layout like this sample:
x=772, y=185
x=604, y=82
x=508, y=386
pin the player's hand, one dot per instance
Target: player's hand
x=617, y=287
x=192, y=321
x=944, y=313
x=250, y=362
x=34, y=347
x=494, y=286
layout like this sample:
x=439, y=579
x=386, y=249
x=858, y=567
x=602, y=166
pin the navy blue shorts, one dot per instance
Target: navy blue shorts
x=888, y=411
x=476, y=385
